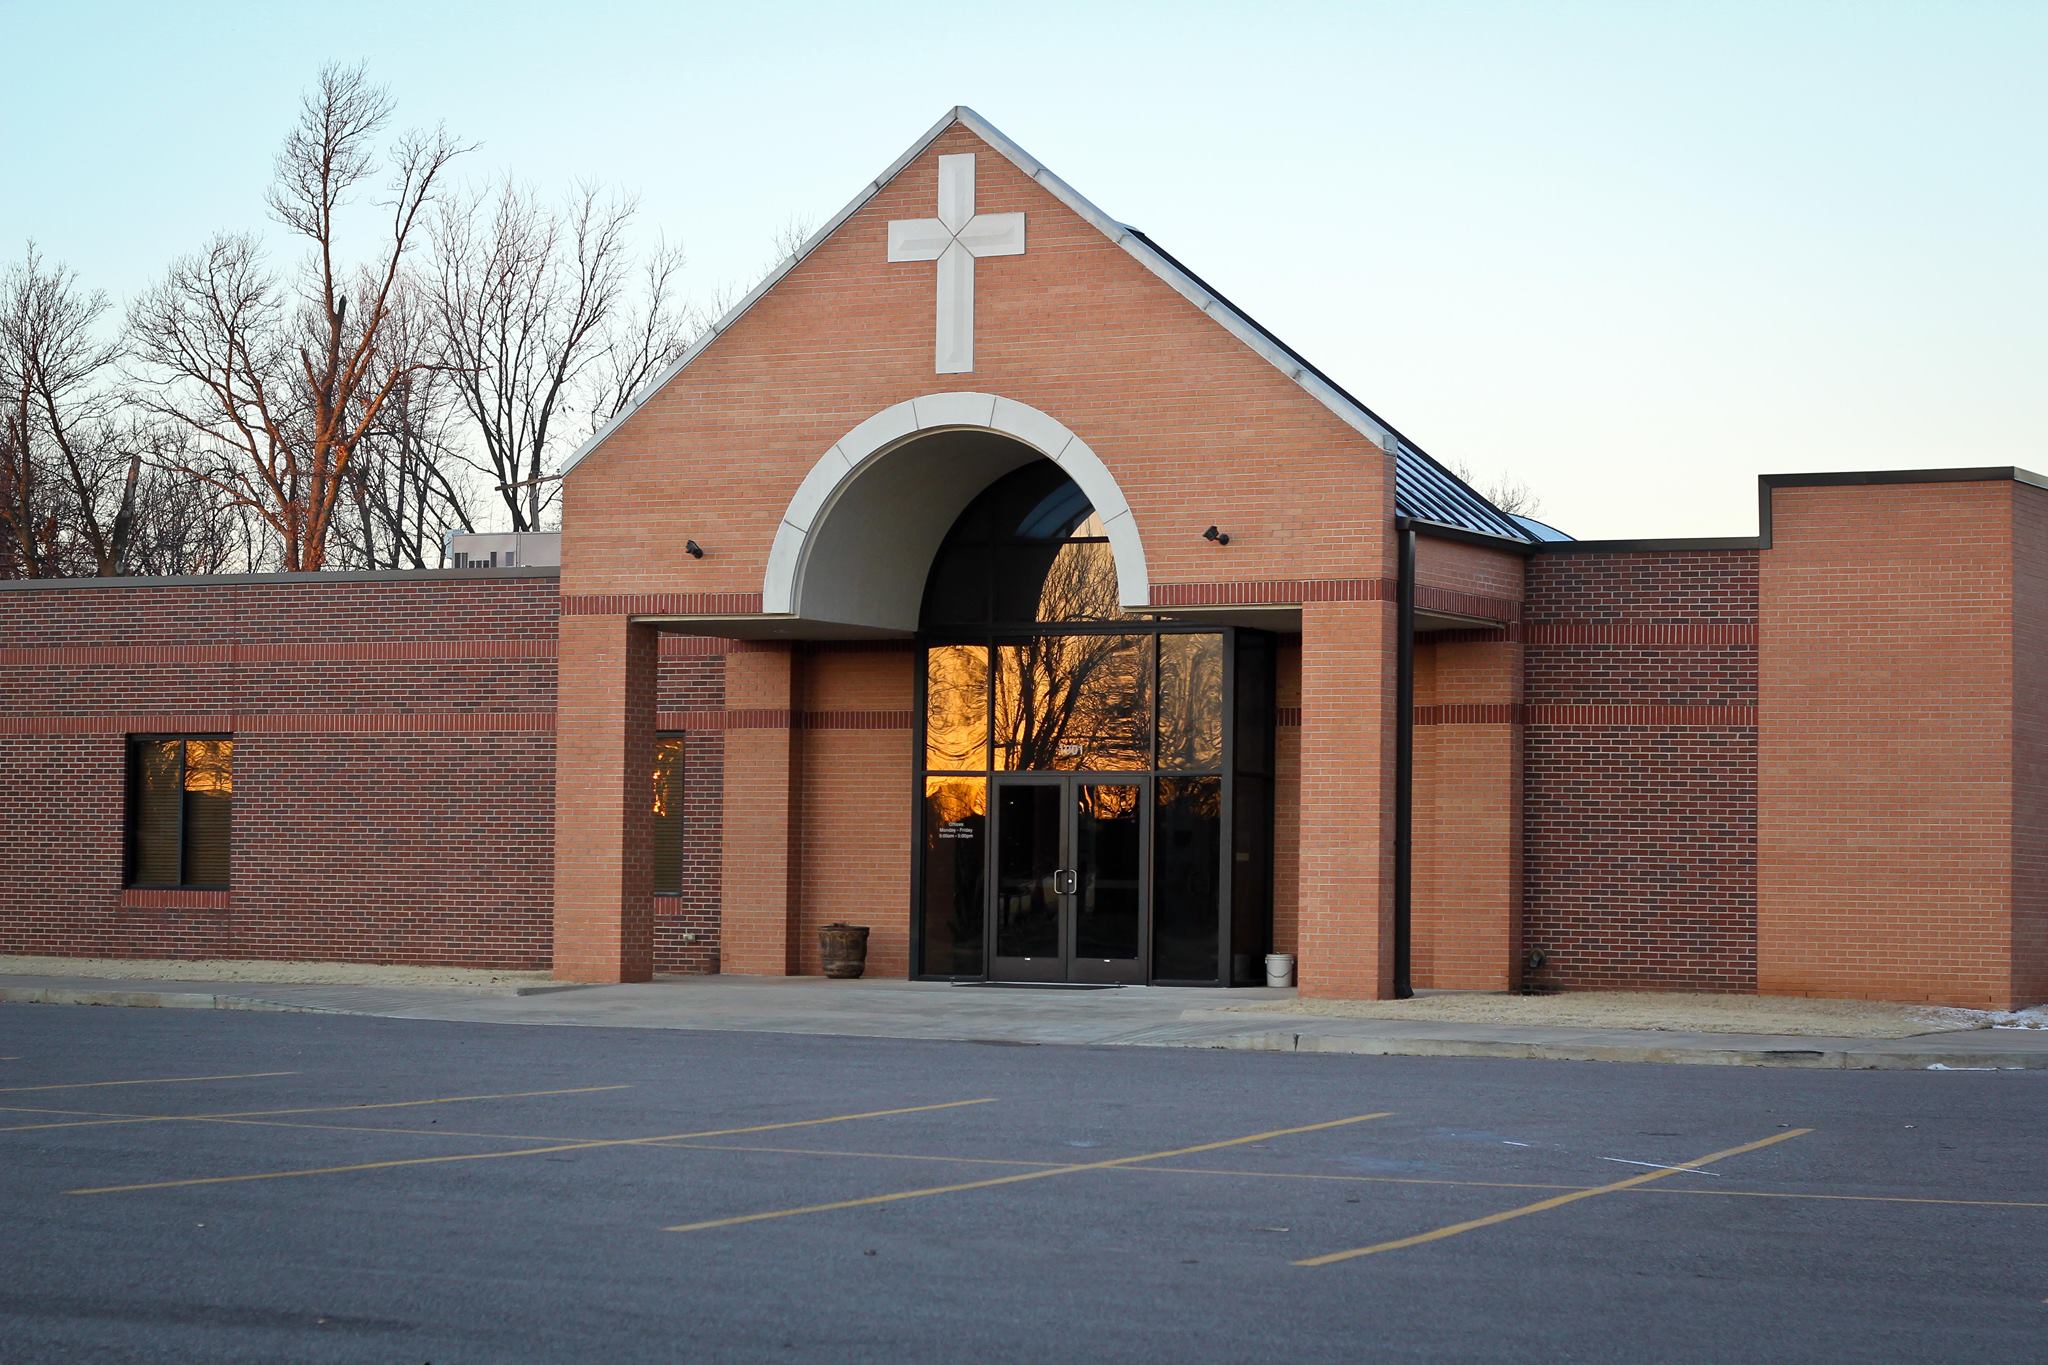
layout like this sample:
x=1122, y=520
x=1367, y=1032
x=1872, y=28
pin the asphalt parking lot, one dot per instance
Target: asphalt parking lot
x=249, y=1186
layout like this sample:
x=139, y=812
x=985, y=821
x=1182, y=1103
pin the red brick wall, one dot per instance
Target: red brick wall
x=1639, y=769
x=1886, y=854
x=855, y=827
x=2030, y=746
x=1190, y=422
x=394, y=768
x=1466, y=861
x=1345, y=910
x=393, y=765
x=1465, y=897
x=691, y=705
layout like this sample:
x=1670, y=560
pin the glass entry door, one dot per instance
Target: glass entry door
x=1069, y=894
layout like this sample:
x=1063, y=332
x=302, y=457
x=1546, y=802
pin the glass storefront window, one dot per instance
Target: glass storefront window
x=1190, y=703
x=1187, y=858
x=956, y=707
x=955, y=862
x=1067, y=703
x=1072, y=788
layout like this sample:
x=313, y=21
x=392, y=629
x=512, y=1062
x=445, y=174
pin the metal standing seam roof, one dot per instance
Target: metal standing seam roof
x=1423, y=489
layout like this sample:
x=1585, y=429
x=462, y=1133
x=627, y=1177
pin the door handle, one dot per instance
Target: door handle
x=1065, y=881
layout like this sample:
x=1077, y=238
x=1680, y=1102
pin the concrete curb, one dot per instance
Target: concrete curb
x=157, y=1000
x=1818, y=1058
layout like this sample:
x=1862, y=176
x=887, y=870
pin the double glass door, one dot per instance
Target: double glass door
x=1070, y=878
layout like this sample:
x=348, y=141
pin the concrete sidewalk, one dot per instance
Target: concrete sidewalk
x=1132, y=1016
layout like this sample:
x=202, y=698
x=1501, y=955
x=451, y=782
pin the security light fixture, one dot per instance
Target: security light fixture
x=696, y=550
x=1220, y=537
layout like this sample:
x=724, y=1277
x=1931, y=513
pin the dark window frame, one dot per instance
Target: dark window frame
x=135, y=746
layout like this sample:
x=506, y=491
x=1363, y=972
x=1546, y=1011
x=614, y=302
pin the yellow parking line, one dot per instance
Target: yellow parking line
x=105, y=1120
x=147, y=1080
x=1558, y=1201
x=1342, y=1179
x=522, y=1151
x=875, y=1156
x=1019, y=1178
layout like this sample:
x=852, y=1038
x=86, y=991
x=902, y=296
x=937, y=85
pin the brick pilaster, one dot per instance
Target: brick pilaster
x=604, y=744
x=1346, y=946
x=1468, y=814
x=761, y=910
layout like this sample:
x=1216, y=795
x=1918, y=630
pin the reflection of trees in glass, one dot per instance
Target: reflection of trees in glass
x=210, y=766
x=668, y=815
x=956, y=706
x=1104, y=801
x=1073, y=701
x=1190, y=702
x=1074, y=580
x=182, y=812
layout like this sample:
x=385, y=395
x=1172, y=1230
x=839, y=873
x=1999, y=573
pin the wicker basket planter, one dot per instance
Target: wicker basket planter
x=844, y=950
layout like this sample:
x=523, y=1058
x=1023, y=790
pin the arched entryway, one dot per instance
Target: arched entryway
x=1094, y=787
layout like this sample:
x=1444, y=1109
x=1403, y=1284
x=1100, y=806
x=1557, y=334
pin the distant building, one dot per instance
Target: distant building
x=504, y=549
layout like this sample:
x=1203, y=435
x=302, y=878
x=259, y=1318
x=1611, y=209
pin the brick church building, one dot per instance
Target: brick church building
x=986, y=579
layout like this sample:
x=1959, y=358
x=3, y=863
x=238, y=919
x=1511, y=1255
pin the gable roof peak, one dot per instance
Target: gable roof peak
x=1455, y=503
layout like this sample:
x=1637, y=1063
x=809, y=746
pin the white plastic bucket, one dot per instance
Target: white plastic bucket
x=1279, y=969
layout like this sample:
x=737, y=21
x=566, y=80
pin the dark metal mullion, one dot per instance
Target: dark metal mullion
x=1226, y=820
x=184, y=872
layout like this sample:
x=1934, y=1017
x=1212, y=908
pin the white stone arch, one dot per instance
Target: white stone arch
x=856, y=541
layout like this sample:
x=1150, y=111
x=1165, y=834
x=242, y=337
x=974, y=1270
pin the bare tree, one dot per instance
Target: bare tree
x=540, y=328
x=282, y=385
x=1510, y=494
x=185, y=525
x=69, y=466
x=407, y=487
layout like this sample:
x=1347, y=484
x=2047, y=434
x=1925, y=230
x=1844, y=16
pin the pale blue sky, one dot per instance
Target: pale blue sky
x=1635, y=253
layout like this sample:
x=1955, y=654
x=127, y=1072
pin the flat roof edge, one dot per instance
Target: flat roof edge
x=234, y=580
x=1671, y=543
x=1464, y=535
x=1854, y=477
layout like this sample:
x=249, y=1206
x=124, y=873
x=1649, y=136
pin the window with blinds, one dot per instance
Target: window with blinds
x=180, y=810
x=668, y=815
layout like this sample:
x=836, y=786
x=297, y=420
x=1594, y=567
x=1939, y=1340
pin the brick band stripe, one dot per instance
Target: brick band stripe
x=172, y=898
x=341, y=651
x=1605, y=717
x=766, y=718
x=281, y=723
x=1290, y=592
x=1586, y=717
x=1627, y=633
x=1465, y=603
x=676, y=646
x=662, y=604
x=1274, y=593
x=1469, y=713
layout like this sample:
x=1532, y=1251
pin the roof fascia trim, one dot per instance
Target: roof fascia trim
x=1464, y=535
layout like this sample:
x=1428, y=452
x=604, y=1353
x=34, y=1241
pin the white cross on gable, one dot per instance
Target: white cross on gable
x=954, y=239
